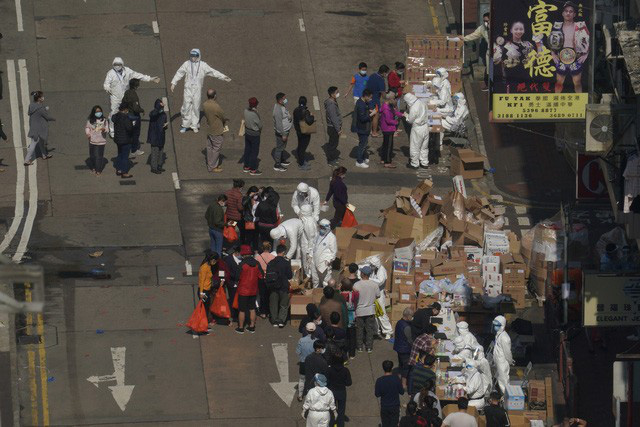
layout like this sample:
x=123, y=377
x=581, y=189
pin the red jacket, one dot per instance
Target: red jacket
x=394, y=83
x=250, y=273
x=234, y=204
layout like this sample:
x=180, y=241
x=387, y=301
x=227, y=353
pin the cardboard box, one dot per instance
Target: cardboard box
x=405, y=249
x=421, y=191
x=537, y=391
x=365, y=231
x=495, y=242
x=449, y=268
x=403, y=279
x=467, y=163
x=425, y=301
x=475, y=283
x=513, y=269
x=299, y=304
x=514, y=398
x=316, y=295
x=406, y=293
x=399, y=226
x=421, y=274
x=493, y=289
x=343, y=237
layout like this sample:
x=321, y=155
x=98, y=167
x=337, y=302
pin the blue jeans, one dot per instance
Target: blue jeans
x=363, y=142
x=122, y=161
x=216, y=240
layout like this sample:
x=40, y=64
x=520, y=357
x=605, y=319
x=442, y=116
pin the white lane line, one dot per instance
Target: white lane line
x=165, y=101
x=154, y=24
x=176, y=180
x=301, y=22
x=506, y=221
x=524, y=221
x=188, y=268
x=17, y=147
x=33, y=169
x=316, y=103
x=19, y=15
x=521, y=210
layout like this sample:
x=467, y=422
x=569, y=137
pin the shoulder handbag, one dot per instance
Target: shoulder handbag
x=242, y=128
x=306, y=128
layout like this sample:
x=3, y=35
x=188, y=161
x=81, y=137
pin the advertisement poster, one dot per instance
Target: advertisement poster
x=541, y=59
x=611, y=300
x=590, y=183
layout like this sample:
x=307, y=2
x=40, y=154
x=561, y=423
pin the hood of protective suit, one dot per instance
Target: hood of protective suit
x=322, y=390
x=442, y=72
x=278, y=232
x=194, y=50
x=375, y=262
x=502, y=321
x=117, y=60
x=410, y=99
x=437, y=82
x=470, y=368
x=303, y=187
x=463, y=327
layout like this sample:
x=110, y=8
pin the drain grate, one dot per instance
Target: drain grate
x=81, y=167
x=128, y=182
x=29, y=339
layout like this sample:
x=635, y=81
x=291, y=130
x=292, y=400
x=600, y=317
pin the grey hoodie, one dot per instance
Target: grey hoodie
x=39, y=119
x=334, y=118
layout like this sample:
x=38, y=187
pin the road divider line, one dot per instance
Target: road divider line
x=434, y=17
x=19, y=15
x=17, y=147
x=156, y=30
x=42, y=353
x=33, y=170
x=301, y=22
x=31, y=361
x=176, y=180
x=316, y=103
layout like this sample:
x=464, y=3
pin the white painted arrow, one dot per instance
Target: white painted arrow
x=284, y=389
x=121, y=392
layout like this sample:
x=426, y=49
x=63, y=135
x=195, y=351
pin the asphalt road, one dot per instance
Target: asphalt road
x=148, y=228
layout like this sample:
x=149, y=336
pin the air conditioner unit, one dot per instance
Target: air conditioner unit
x=599, y=128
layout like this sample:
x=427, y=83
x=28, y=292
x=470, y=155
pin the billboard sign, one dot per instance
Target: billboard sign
x=541, y=59
x=590, y=183
x=611, y=300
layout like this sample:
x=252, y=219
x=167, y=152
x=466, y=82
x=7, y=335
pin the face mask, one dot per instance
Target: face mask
x=496, y=327
x=194, y=59
x=256, y=196
x=486, y=25
x=285, y=101
x=323, y=350
x=98, y=114
x=338, y=95
x=117, y=67
x=317, y=321
x=323, y=231
x=363, y=72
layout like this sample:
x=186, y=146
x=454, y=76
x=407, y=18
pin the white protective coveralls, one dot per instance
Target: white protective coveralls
x=419, y=138
x=194, y=73
x=470, y=341
x=460, y=348
x=484, y=368
x=474, y=386
x=319, y=402
x=309, y=233
x=380, y=277
x=117, y=82
x=443, y=100
x=291, y=230
x=325, y=248
x=306, y=195
x=453, y=122
x=502, y=357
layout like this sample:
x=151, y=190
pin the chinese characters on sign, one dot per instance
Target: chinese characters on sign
x=540, y=50
x=611, y=300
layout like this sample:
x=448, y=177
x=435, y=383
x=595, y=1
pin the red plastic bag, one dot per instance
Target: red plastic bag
x=220, y=305
x=235, y=301
x=198, y=321
x=349, y=219
x=230, y=234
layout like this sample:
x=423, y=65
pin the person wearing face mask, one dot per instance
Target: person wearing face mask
x=377, y=86
x=453, y=122
x=338, y=191
x=379, y=275
x=132, y=101
x=502, y=358
x=291, y=230
x=442, y=101
x=359, y=82
x=389, y=116
x=482, y=33
x=395, y=79
x=249, y=206
x=155, y=137
x=418, y=117
x=96, y=130
x=470, y=341
x=216, y=125
x=474, y=384
x=193, y=71
x=334, y=125
x=302, y=114
x=306, y=195
x=117, y=82
x=460, y=348
x=253, y=129
x=123, y=137
x=39, y=119
x=282, y=123
x=325, y=249
x=215, y=221
x=484, y=368
x=361, y=125
x=309, y=234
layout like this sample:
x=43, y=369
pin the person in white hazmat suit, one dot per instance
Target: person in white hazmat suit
x=325, y=248
x=475, y=386
x=306, y=195
x=484, y=368
x=419, y=139
x=319, y=403
x=442, y=100
x=194, y=71
x=379, y=276
x=290, y=230
x=460, y=348
x=462, y=328
x=453, y=122
x=309, y=233
x=502, y=358
x=117, y=82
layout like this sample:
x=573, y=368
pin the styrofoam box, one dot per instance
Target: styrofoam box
x=514, y=398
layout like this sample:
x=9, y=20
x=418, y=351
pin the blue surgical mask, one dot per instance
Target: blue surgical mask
x=98, y=114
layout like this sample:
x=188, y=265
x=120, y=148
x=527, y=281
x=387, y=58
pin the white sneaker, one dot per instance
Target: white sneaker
x=366, y=161
x=362, y=165
x=387, y=337
x=195, y=130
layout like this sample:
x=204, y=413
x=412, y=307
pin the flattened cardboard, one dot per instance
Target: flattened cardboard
x=399, y=226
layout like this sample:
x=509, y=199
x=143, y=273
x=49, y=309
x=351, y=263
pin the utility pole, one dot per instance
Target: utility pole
x=566, y=225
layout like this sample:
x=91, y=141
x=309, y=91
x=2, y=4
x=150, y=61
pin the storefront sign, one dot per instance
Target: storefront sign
x=611, y=300
x=590, y=183
x=541, y=60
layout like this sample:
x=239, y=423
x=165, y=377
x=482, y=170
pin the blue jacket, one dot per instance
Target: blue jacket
x=361, y=122
x=400, y=342
x=376, y=85
x=360, y=83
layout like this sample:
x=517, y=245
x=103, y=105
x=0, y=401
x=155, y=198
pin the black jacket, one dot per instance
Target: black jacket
x=338, y=379
x=299, y=114
x=234, y=269
x=282, y=267
x=496, y=416
x=157, y=119
x=313, y=364
x=122, y=129
x=267, y=212
x=361, y=120
x=133, y=102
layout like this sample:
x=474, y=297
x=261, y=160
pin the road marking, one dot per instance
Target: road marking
x=156, y=30
x=520, y=210
x=165, y=101
x=316, y=103
x=31, y=358
x=523, y=221
x=188, y=268
x=33, y=170
x=121, y=393
x=301, y=22
x=42, y=353
x=176, y=181
x=434, y=17
x=17, y=147
x=19, y=15
x=284, y=389
x=506, y=221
